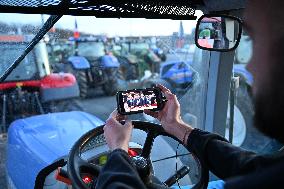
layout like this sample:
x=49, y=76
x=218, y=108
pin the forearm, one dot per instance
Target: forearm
x=222, y=158
x=181, y=130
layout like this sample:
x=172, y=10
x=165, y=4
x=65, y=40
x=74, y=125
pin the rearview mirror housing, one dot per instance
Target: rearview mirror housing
x=218, y=32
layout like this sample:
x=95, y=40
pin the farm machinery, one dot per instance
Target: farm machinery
x=31, y=88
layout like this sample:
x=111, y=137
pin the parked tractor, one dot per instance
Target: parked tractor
x=136, y=57
x=31, y=88
x=177, y=76
x=159, y=52
x=93, y=66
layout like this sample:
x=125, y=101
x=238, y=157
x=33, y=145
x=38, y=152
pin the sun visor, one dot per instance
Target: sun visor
x=153, y=9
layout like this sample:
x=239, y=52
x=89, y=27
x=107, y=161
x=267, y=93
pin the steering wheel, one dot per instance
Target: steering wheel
x=76, y=165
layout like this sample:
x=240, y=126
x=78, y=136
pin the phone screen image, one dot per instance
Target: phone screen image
x=137, y=101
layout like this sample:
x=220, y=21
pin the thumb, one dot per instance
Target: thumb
x=169, y=95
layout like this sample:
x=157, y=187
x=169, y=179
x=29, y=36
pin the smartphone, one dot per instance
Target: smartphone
x=137, y=100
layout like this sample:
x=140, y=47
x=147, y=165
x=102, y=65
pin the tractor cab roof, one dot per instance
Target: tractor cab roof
x=123, y=9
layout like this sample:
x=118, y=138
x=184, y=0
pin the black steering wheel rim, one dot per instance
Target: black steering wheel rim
x=74, y=162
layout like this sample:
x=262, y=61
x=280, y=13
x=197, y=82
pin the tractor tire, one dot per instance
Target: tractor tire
x=132, y=72
x=250, y=138
x=163, y=57
x=127, y=70
x=111, y=86
x=81, y=78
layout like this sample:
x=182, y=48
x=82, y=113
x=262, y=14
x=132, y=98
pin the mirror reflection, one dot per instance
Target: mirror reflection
x=218, y=33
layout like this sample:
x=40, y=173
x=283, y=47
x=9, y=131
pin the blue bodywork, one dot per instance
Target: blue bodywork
x=38, y=141
x=178, y=72
x=240, y=69
x=109, y=61
x=156, y=50
x=79, y=62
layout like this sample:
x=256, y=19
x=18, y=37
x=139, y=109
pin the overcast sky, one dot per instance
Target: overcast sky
x=109, y=26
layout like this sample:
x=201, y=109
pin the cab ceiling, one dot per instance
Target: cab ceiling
x=221, y=5
x=153, y=9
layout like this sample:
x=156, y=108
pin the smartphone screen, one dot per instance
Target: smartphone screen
x=135, y=101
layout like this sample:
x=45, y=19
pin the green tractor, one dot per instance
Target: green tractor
x=135, y=58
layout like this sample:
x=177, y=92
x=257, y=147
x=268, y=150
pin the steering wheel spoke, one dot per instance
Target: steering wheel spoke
x=152, y=185
x=147, y=147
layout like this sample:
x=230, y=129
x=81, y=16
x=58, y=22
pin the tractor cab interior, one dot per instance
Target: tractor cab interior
x=64, y=61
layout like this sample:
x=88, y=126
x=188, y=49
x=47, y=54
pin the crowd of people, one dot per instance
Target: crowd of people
x=134, y=101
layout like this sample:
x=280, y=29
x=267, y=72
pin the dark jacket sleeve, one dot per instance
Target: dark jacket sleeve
x=221, y=157
x=119, y=172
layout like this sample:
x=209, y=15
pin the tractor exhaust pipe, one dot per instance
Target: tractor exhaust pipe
x=38, y=103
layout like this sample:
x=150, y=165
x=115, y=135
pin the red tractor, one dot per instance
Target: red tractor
x=31, y=88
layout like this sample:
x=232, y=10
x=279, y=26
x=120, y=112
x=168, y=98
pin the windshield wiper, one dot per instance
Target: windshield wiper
x=45, y=28
x=170, y=157
x=40, y=34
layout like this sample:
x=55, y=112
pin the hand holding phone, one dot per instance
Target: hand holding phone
x=137, y=100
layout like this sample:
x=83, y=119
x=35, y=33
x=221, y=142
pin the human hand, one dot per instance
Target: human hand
x=117, y=135
x=170, y=117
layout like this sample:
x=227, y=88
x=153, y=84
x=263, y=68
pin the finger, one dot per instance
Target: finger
x=128, y=123
x=113, y=114
x=163, y=88
x=111, y=121
x=151, y=113
x=169, y=95
x=120, y=117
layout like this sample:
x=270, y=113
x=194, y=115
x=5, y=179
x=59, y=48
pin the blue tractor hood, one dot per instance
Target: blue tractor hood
x=38, y=141
x=57, y=132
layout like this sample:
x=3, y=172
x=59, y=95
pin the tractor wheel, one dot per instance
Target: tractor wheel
x=163, y=57
x=110, y=88
x=132, y=72
x=245, y=134
x=112, y=84
x=81, y=78
x=127, y=70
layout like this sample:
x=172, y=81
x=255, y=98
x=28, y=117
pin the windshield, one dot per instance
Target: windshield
x=172, y=62
x=91, y=49
x=26, y=70
x=139, y=46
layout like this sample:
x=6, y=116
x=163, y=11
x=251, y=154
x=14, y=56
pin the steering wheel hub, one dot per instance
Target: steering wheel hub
x=140, y=162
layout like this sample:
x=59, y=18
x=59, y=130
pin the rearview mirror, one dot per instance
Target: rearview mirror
x=218, y=32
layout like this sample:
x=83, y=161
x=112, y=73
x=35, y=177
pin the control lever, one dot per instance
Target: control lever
x=62, y=175
x=178, y=175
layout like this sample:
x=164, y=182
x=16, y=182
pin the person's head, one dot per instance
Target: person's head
x=263, y=22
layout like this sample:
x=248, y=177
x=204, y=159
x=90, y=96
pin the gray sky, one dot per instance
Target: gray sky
x=109, y=26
